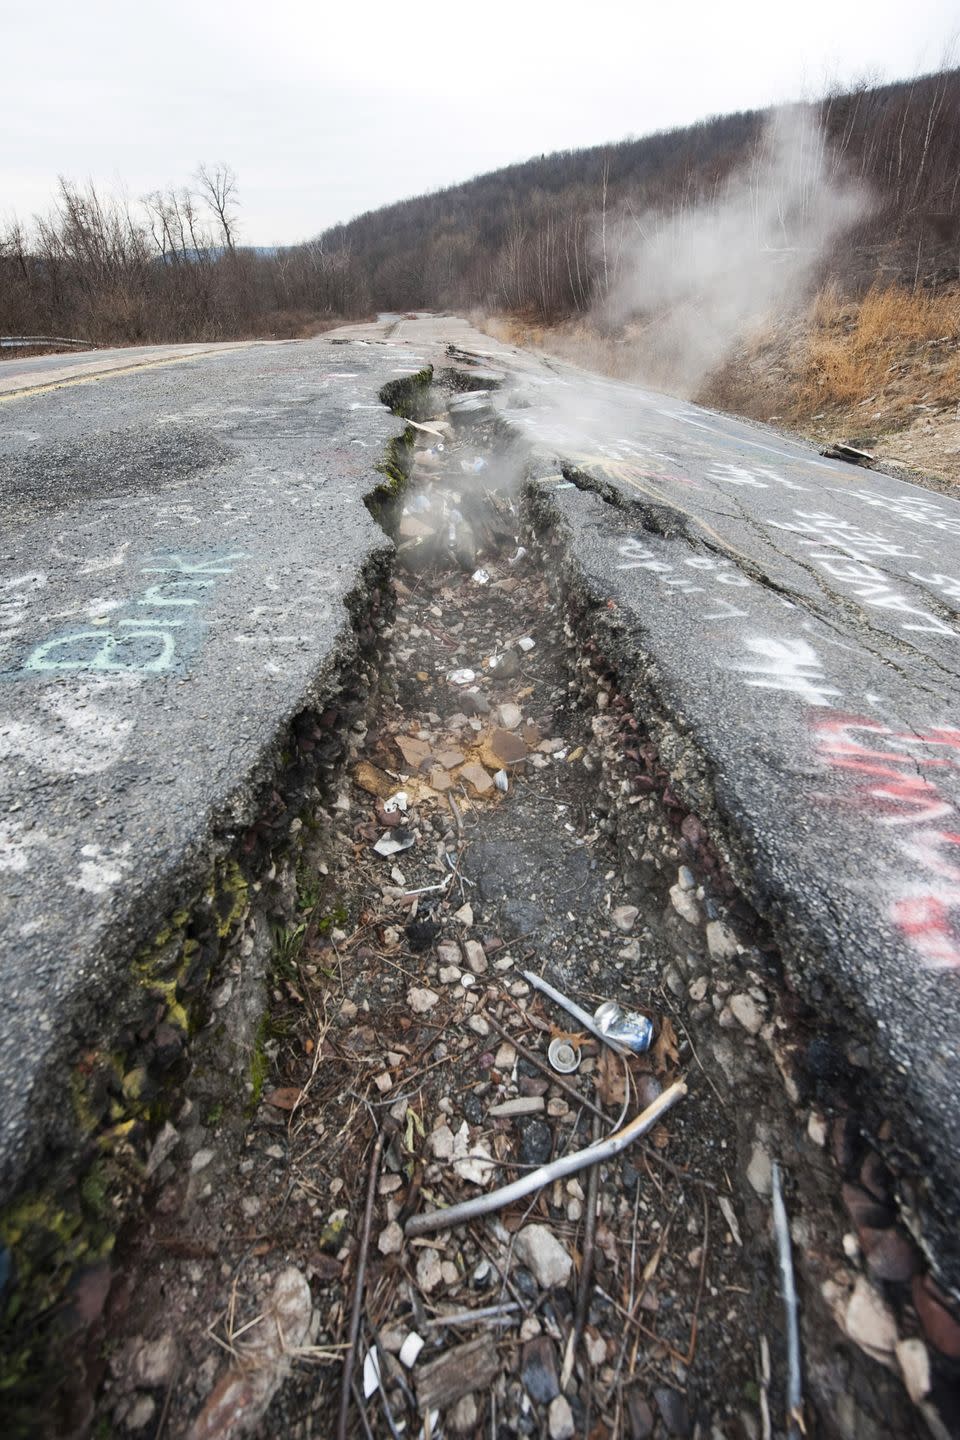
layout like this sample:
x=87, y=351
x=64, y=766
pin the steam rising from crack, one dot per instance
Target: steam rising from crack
x=689, y=284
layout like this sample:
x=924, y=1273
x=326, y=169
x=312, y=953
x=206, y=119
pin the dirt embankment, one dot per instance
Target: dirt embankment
x=882, y=372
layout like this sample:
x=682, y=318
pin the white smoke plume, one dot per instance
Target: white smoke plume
x=689, y=284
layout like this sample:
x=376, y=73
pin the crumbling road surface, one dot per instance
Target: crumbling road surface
x=182, y=528
x=670, y=704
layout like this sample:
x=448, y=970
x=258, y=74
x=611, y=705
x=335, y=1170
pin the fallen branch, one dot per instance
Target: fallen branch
x=349, y=1358
x=546, y=1174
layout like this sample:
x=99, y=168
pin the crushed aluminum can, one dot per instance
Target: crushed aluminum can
x=625, y=1027
x=564, y=1057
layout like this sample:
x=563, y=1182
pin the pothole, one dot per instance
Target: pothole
x=486, y=828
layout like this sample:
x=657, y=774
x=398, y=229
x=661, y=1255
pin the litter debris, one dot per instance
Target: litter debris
x=603, y=1150
x=839, y=450
x=502, y=781
x=626, y=1027
x=392, y=842
x=410, y=1349
x=564, y=1057
x=624, y=1031
x=521, y=551
x=474, y=466
x=371, y=1374
x=526, y=643
x=462, y=677
x=480, y=577
x=398, y=802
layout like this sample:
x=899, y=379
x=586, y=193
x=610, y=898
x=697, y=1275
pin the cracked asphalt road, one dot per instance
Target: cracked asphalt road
x=796, y=623
x=179, y=537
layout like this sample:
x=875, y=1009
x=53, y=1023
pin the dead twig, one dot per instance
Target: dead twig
x=349, y=1358
x=781, y=1227
x=586, y=1267
x=546, y=1174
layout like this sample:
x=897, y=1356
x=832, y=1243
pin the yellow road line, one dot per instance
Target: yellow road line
x=31, y=390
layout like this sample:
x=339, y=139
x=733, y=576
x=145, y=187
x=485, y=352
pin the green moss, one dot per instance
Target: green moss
x=231, y=898
x=259, y=1064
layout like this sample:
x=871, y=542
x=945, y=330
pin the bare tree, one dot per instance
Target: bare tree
x=218, y=190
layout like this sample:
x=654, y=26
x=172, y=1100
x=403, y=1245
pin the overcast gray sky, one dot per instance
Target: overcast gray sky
x=328, y=110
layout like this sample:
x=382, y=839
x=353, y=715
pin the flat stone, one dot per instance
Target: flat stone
x=448, y=952
x=476, y=956
x=477, y=778
x=541, y=1252
x=560, y=1419
x=893, y=1257
x=674, y=1411
x=685, y=905
x=914, y=1361
x=141, y=1413
x=390, y=1241
x=429, y=1273
x=538, y=1370
x=747, y=1012
x=421, y=1000
x=760, y=1169
x=509, y=716
x=536, y=1143
x=440, y=1142
x=155, y=1361
x=463, y=1418
x=639, y=1414
x=625, y=917
x=521, y=1105
x=869, y=1322
x=722, y=943
x=504, y=747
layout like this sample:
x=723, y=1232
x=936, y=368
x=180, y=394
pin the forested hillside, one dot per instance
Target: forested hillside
x=547, y=237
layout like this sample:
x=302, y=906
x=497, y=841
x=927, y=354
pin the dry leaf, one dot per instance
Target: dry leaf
x=609, y=1079
x=665, y=1051
x=285, y=1098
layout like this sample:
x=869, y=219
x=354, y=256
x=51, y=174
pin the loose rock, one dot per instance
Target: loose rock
x=540, y=1250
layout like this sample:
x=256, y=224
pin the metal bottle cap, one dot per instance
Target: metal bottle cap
x=564, y=1057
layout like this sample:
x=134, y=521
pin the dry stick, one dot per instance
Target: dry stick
x=586, y=1266
x=781, y=1226
x=546, y=1174
x=350, y=1356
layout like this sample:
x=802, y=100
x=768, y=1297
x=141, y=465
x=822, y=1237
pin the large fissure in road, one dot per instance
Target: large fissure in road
x=509, y=801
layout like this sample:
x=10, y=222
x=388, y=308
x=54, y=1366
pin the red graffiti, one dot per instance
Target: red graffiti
x=889, y=787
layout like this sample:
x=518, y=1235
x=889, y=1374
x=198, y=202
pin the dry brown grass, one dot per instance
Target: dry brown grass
x=852, y=352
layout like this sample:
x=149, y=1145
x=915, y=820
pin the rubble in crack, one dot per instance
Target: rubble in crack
x=411, y=1065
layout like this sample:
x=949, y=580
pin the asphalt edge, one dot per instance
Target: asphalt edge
x=182, y=1038
x=806, y=1043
